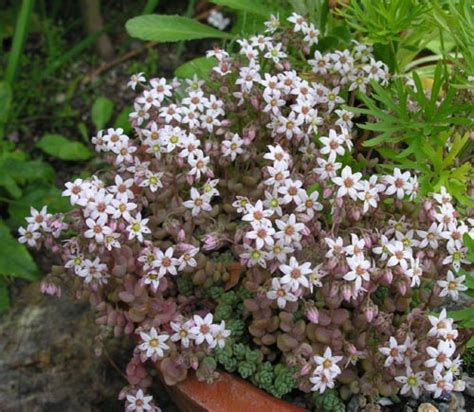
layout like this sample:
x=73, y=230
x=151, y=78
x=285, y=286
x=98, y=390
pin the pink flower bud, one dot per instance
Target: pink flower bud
x=255, y=103
x=50, y=289
x=402, y=288
x=388, y=276
x=369, y=314
x=305, y=369
x=355, y=213
x=346, y=292
x=179, y=161
x=299, y=292
x=312, y=314
x=251, y=133
x=367, y=240
x=339, y=201
x=327, y=192
x=330, y=264
x=305, y=231
x=427, y=204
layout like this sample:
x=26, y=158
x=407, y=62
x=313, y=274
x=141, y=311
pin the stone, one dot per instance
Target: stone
x=47, y=359
x=469, y=385
x=427, y=407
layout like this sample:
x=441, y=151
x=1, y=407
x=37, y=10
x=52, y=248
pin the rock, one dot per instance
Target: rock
x=47, y=360
x=443, y=406
x=457, y=402
x=427, y=407
x=469, y=385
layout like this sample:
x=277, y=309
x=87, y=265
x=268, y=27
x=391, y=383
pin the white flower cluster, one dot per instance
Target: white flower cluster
x=326, y=371
x=444, y=367
x=40, y=223
x=192, y=332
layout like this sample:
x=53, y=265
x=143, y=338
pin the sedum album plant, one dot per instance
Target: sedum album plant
x=235, y=227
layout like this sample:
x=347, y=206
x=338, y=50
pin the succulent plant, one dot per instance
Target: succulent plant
x=240, y=226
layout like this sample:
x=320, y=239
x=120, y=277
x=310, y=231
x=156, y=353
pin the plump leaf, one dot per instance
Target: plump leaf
x=170, y=29
x=102, y=112
x=58, y=146
x=14, y=257
x=199, y=67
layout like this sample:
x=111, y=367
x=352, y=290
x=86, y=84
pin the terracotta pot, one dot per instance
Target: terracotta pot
x=228, y=394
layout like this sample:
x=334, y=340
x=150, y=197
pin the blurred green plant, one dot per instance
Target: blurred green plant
x=396, y=28
x=455, y=21
x=424, y=129
x=23, y=181
x=465, y=317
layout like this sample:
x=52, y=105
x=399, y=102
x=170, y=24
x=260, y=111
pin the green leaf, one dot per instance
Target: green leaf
x=170, y=29
x=200, y=66
x=456, y=147
x=83, y=131
x=313, y=188
x=58, y=146
x=102, y=112
x=462, y=314
x=470, y=343
x=5, y=101
x=23, y=170
x=328, y=43
x=343, y=33
x=122, y=120
x=245, y=5
x=10, y=185
x=36, y=195
x=4, y=297
x=247, y=23
x=14, y=259
x=469, y=243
